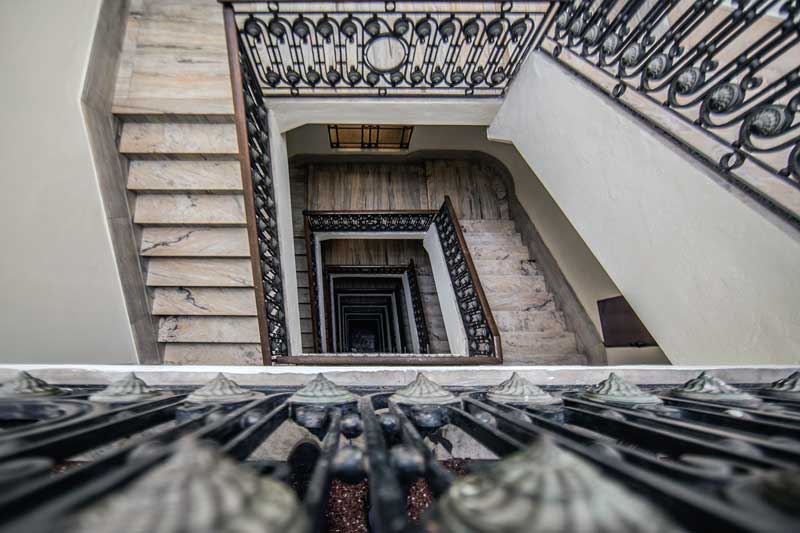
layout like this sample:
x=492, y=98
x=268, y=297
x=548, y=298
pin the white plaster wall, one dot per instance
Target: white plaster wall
x=60, y=294
x=587, y=277
x=713, y=280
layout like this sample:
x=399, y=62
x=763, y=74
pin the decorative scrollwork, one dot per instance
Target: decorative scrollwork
x=466, y=48
x=364, y=222
x=730, y=68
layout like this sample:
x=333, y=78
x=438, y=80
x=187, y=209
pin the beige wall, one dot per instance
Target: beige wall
x=579, y=266
x=60, y=294
x=713, y=279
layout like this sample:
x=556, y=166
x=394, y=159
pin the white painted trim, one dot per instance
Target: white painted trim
x=283, y=209
x=292, y=113
x=456, y=334
x=412, y=323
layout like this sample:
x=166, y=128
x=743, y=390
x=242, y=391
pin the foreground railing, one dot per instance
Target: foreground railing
x=721, y=78
x=357, y=48
x=702, y=456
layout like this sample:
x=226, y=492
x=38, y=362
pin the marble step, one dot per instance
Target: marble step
x=544, y=359
x=498, y=253
x=520, y=301
x=216, y=272
x=438, y=346
x=143, y=139
x=190, y=208
x=212, y=354
x=203, y=301
x=520, y=343
x=497, y=239
x=426, y=284
x=168, y=176
x=490, y=267
x=201, y=329
x=487, y=226
x=195, y=241
x=513, y=282
x=531, y=321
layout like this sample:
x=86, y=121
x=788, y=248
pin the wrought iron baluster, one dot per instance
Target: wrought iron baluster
x=483, y=337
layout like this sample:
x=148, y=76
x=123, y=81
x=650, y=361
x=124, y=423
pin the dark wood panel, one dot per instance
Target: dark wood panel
x=621, y=325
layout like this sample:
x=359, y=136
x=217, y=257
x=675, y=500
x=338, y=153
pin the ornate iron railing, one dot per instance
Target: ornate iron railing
x=483, y=336
x=729, y=73
x=351, y=222
x=256, y=165
x=417, y=308
x=468, y=48
x=703, y=456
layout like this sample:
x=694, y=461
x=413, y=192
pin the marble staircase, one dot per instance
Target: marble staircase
x=532, y=329
x=186, y=191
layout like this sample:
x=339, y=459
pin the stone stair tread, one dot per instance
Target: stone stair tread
x=199, y=272
x=544, y=359
x=162, y=139
x=189, y=208
x=489, y=267
x=196, y=241
x=515, y=343
x=168, y=176
x=513, y=282
x=508, y=321
x=487, y=226
x=213, y=329
x=490, y=238
x=203, y=301
x=520, y=300
x=212, y=354
x=499, y=253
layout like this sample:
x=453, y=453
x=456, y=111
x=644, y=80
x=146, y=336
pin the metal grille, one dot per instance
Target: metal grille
x=468, y=48
x=704, y=456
